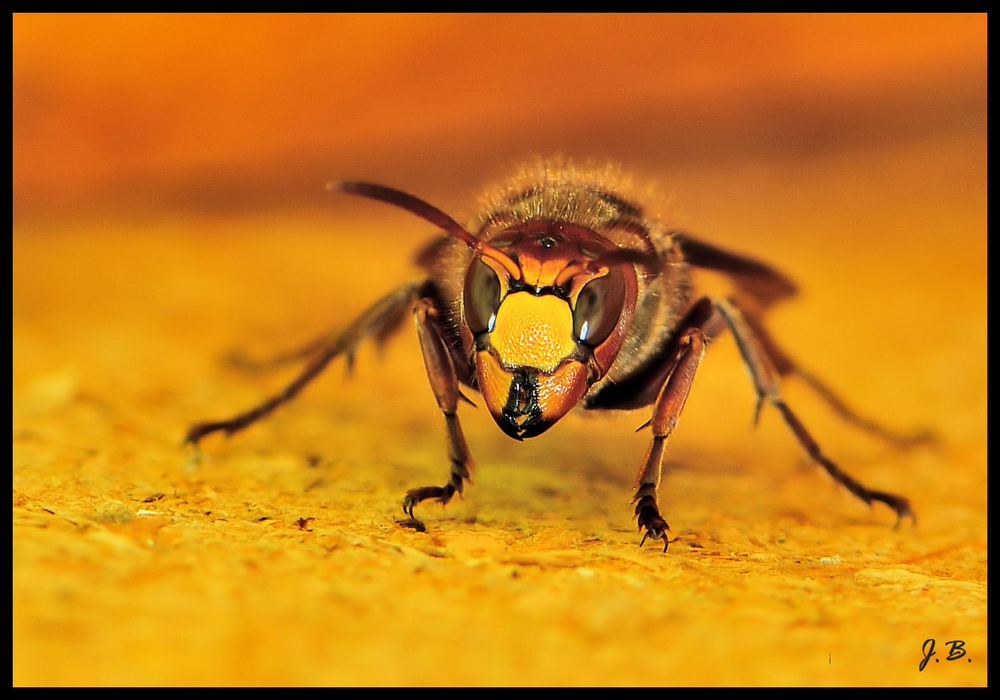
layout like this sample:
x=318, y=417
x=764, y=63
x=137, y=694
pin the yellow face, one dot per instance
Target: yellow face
x=530, y=377
x=547, y=302
x=542, y=337
x=533, y=331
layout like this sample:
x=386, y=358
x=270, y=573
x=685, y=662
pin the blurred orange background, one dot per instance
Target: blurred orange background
x=251, y=110
x=168, y=204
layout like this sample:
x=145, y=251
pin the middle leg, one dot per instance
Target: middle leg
x=764, y=368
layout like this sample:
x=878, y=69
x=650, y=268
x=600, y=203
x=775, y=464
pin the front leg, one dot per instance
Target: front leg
x=683, y=359
x=444, y=383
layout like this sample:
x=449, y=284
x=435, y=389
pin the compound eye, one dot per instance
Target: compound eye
x=598, y=308
x=481, y=297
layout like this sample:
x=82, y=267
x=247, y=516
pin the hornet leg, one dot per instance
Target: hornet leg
x=378, y=321
x=683, y=359
x=444, y=383
x=760, y=363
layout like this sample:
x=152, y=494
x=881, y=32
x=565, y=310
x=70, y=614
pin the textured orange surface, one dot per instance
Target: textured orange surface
x=151, y=235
